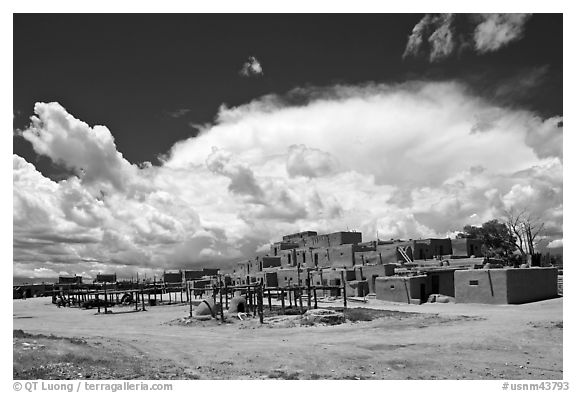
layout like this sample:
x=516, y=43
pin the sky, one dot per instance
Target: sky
x=151, y=142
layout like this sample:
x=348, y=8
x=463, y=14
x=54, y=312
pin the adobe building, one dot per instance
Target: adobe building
x=467, y=247
x=105, y=278
x=410, y=289
x=440, y=281
x=505, y=286
x=299, y=237
x=276, y=248
x=369, y=273
x=70, y=280
x=191, y=275
x=333, y=239
x=430, y=248
x=210, y=272
x=172, y=277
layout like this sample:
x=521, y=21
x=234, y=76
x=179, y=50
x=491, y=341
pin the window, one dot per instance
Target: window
x=473, y=282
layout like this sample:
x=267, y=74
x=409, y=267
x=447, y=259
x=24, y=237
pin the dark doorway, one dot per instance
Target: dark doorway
x=435, y=284
x=316, y=260
x=421, y=254
x=423, y=293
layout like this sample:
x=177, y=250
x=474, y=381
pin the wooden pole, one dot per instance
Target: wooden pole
x=300, y=291
x=190, y=297
x=98, y=303
x=282, y=299
x=105, y=301
x=290, y=297
x=343, y=287
x=308, y=291
x=269, y=300
x=249, y=298
x=221, y=303
x=143, y=306
x=260, y=304
x=315, y=299
x=226, y=293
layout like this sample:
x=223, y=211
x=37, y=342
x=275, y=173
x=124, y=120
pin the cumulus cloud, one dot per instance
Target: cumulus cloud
x=440, y=36
x=398, y=160
x=304, y=161
x=251, y=67
x=90, y=152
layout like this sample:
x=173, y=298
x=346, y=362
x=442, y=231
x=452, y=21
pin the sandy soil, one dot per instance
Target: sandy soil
x=434, y=341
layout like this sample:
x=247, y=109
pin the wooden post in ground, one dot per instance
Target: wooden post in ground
x=343, y=287
x=282, y=299
x=260, y=303
x=315, y=299
x=226, y=293
x=290, y=296
x=269, y=300
x=154, y=288
x=181, y=296
x=300, y=291
x=187, y=292
x=169, y=296
x=249, y=299
x=143, y=306
x=105, y=301
x=308, y=291
x=98, y=303
x=135, y=295
x=190, y=296
x=221, y=302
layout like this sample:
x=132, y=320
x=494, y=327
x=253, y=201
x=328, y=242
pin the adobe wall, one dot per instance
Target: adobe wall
x=271, y=279
x=467, y=247
x=277, y=247
x=271, y=262
x=288, y=277
x=441, y=246
x=487, y=286
x=341, y=256
x=333, y=239
x=193, y=274
x=445, y=282
x=532, y=284
x=370, y=272
x=287, y=257
x=392, y=289
x=173, y=278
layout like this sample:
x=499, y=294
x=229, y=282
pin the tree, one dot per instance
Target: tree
x=526, y=230
x=496, y=238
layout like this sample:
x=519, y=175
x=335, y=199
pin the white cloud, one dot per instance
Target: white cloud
x=556, y=243
x=304, y=161
x=400, y=161
x=251, y=67
x=440, y=36
x=497, y=30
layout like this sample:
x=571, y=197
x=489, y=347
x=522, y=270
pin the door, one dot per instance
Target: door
x=435, y=284
x=422, y=293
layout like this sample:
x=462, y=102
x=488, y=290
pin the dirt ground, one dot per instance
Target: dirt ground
x=430, y=341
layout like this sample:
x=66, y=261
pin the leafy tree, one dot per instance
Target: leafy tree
x=496, y=237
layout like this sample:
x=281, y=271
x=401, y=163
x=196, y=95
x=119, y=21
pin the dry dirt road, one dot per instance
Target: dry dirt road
x=441, y=341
